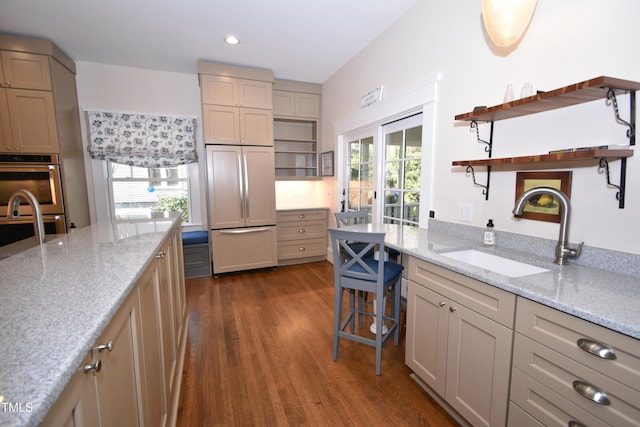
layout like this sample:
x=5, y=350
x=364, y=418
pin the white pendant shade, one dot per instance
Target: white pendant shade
x=506, y=20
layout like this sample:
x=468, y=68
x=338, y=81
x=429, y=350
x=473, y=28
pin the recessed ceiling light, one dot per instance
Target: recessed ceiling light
x=231, y=40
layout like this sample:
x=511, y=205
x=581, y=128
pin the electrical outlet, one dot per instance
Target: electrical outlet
x=465, y=212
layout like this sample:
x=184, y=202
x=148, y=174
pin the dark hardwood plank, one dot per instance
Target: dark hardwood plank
x=259, y=353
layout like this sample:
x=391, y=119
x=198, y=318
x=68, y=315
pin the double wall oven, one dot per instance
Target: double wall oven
x=39, y=174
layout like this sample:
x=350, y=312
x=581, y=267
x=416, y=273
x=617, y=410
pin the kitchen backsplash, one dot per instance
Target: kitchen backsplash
x=603, y=259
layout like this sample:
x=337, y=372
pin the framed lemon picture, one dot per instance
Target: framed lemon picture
x=544, y=207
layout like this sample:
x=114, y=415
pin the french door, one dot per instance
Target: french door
x=382, y=171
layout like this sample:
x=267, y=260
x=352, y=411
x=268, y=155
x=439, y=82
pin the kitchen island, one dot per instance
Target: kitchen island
x=56, y=300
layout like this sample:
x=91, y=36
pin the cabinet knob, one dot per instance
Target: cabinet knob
x=95, y=366
x=591, y=392
x=597, y=349
x=302, y=230
x=7, y=84
x=574, y=423
x=301, y=216
x=108, y=347
x=302, y=249
x=442, y=303
x=452, y=309
x=161, y=255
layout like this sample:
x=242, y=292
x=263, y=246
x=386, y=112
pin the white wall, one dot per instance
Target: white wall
x=567, y=42
x=125, y=89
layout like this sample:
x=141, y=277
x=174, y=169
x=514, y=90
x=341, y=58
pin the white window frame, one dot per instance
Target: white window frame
x=147, y=179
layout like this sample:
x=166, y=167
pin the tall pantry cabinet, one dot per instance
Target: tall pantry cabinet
x=238, y=133
x=39, y=114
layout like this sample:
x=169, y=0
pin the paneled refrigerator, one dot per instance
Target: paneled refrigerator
x=242, y=211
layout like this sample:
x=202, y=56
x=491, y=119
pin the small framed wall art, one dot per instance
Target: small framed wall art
x=544, y=207
x=327, y=163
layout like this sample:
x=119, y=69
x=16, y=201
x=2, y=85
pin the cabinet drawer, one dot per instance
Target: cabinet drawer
x=485, y=299
x=562, y=331
x=302, y=230
x=519, y=418
x=533, y=404
x=301, y=215
x=560, y=373
x=302, y=248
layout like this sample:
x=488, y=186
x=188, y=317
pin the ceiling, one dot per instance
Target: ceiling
x=304, y=40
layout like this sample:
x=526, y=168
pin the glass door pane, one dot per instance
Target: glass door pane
x=403, y=167
x=360, y=180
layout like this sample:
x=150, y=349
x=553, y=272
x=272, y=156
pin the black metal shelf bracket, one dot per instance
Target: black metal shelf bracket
x=488, y=144
x=631, y=125
x=488, y=148
x=604, y=165
x=485, y=188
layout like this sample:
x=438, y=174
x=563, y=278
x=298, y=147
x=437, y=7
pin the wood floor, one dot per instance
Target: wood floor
x=259, y=354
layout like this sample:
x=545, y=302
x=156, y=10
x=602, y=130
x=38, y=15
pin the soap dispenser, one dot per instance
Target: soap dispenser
x=489, y=238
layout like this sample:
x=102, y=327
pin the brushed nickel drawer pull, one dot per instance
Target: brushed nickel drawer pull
x=302, y=230
x=108, y=346
x=95, y=366
x=442, y=303
x=301, y=216
x=452, y=309
x=597, y=349
x=302, y=249
x=592, y=393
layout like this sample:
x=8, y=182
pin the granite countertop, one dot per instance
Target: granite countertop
x=56, y=300
x=605, y=298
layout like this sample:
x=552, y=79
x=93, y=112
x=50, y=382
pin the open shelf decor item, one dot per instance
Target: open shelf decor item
x=327, y=163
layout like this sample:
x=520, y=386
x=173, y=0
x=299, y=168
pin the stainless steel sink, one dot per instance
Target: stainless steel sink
x=497, y=264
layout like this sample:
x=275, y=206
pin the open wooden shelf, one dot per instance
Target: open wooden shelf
x=574, y=156
x=579, y=93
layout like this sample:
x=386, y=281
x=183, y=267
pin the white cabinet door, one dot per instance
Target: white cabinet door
x=478, y=366
x=241, y=186
x=225, y=186
x=427, y=328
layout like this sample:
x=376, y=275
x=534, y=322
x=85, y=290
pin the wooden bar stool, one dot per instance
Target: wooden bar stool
x=356, y=271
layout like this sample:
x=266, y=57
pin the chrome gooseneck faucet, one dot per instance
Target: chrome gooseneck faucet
x=563, y=250
x=13, y=211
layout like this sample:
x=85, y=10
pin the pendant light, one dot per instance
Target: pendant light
x=506, y=20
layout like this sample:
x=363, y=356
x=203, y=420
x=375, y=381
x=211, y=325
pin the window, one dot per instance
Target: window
x=402, y=171
x=139, y=192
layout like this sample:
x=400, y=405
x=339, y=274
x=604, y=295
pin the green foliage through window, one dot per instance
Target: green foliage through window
x=172, y=203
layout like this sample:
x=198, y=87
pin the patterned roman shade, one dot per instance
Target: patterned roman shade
x=142, y=140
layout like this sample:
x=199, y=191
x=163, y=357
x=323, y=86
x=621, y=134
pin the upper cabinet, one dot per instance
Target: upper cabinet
x=586, y=91
x=237, y=104
x=21, y=70
x=296, y=111
x=223, y=90
x=296, y=104
x=27, y=110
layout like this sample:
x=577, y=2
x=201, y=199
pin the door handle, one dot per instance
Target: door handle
x=246, y=186
x=244, y=230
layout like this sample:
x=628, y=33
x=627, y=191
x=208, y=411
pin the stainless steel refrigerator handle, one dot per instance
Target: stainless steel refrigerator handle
x=244, y=230
x=242, y=196
x=246, y=186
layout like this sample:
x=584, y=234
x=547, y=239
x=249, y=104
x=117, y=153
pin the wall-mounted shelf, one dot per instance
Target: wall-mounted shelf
x=578, y=158
x=590, y=90
x=579, y=93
